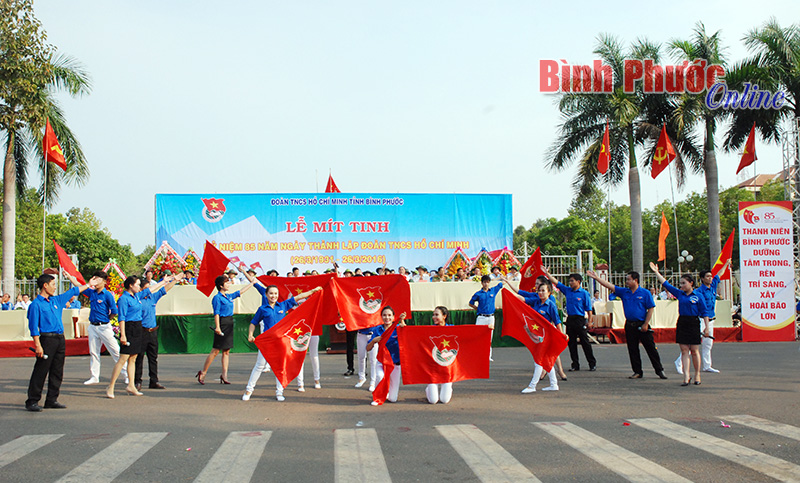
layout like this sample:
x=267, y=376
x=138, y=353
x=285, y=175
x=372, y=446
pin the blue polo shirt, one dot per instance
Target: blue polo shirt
x=531, y=296
x=392, y=344
x=130, y=306
x=486, y=299
x=709, y=295
x=635, y=303
x=102, y=306
x=547, y=309
x=693, y=304
x=578, y=301
x=44, y=314
x=222, y=303
x=149, y=308
x=267, y=316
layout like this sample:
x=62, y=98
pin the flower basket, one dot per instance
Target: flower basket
x=505, y=260
x=165, y=258
x=116, y=277
x=483, y=261
x=457, y=260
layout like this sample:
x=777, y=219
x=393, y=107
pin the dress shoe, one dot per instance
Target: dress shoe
x=54, y=405
x=157, y=386
x=635, y=375
x=661, y=375
x=349, y=372
x=593, y=368
x=33, y=407
x=139, y=386
x=573, y=369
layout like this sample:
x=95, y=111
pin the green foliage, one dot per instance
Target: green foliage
x=772, y=191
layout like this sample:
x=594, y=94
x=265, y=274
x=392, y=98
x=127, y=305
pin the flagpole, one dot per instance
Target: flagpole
x=608, y=205
x=675, y=218
x=44, y=209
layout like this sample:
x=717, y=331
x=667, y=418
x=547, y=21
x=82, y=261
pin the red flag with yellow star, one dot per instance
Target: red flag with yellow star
x=749, y=155
x=435, y=354
x=663, y=154
x=360, y=299
x=543, y=339
x=605, y=153
x=52, y=150
x=284, y=346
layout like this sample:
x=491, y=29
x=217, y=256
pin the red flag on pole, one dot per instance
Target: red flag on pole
x=360, y=299
x=662, y=238
x=542, y=338
x=664, y=153
x=67, y=265
x=331, y=186
x=749, y=155
x=382, y=389
x=530, y=270
x=257, y=265
x=284, y=346
x=724, y=256
x=52, y=150
x=438, y=354
x=605, y=153
x=211, y=267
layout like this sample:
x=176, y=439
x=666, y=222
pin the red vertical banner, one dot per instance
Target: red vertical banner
x=767, y=271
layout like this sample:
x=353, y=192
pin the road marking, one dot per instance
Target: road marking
x=16, y=449
x=358, y=456
x=627, y=464
x=784, y=430
x=237, y=458
x=487, y=459
x=112, y=461
x=763, y=463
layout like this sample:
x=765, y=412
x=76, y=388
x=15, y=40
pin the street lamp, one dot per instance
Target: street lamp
x=685, y=256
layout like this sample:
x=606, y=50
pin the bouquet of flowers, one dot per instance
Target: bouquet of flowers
x=192, y=261
x=165, y=258
x=483, y=261
x=116, y=277
x=505, y=260
x=457, y=260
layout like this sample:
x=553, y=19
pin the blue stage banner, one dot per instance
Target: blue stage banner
x=311, y=231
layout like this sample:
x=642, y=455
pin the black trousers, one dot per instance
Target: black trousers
x=576, y=329
x=351, y=347
x=633, y=336
x=52, y=368
x=149, y=348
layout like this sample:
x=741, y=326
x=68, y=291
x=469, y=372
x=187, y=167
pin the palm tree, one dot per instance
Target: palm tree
x=691, y=110
x=31, y=72
x=628, y=116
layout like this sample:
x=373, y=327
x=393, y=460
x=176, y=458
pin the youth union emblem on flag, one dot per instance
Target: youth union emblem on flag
x=370, y=299
x=299, y=335
x=534, y=330
x=445, y=349
x=213, y=209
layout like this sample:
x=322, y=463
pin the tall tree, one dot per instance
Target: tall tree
x=30, y=72
x=691, y=110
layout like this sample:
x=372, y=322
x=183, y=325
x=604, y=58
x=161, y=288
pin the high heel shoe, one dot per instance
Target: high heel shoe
x=201, y=378
x=134, y=392
x=222, y=380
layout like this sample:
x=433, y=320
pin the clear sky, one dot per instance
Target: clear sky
x=413, y=96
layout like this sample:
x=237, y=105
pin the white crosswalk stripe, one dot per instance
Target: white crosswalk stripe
x=627, y=464
x=784, y=430
x=237, y=458
x=763, y=463
x=487, y=459
x=359, y=457
x=112, y=461
x=16, y=449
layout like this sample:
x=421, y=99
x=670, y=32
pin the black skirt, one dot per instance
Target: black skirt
x=224, y=342
x=687, y=330
x=133, y=333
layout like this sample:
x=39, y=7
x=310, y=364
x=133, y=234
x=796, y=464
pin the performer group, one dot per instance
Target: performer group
x=138, y=338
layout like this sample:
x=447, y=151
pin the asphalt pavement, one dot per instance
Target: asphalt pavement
x=614, y=428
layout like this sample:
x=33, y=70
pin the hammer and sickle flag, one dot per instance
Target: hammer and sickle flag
x=749, y=155
x=663, y=155
x=605, y=153
x=52, y=150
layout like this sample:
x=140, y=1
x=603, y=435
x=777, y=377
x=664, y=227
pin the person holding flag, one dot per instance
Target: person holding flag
x=691, y=309
x=266, y=317
x=222, y=303
x=393, y=348
x=149, y=328
x=440, y=392
x=639, y=306
x=542, y=303
x=483, y=302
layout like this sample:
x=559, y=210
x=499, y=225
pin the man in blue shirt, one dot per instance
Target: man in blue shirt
x=103, y=307
x=149, y=328
x=44, y=323
x=579, y=307
x=638, y=305
x=483, y=302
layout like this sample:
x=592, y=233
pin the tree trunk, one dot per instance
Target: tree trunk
x=635, y=190
x=9, y=234
x=712, y=194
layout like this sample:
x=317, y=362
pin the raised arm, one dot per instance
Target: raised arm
x=660, y=277
x=605, y=283
x=305, y=295
x=547, y=274
x=174, y=282
x=246, y=287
